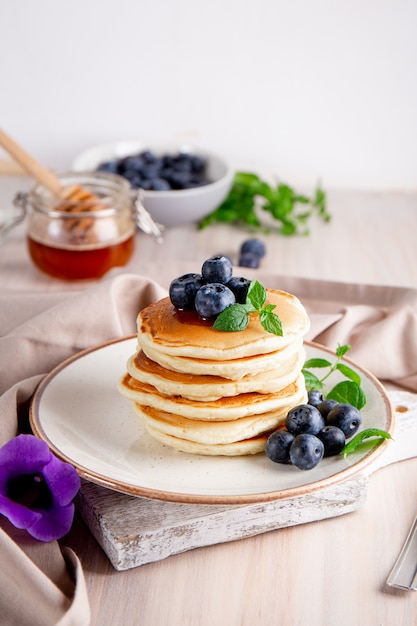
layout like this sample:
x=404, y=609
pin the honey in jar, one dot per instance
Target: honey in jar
x=81, y=240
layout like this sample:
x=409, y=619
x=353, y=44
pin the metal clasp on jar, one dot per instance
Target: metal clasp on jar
x=142, y=218
x=20, y=202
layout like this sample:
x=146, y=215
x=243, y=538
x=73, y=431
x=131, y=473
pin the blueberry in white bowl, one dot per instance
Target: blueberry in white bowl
x=180, y=183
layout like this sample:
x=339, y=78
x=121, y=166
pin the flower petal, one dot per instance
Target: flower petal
x=62, y=480
x=53, y=524
x=24, y=454
x=4, y=477
x=20, y=516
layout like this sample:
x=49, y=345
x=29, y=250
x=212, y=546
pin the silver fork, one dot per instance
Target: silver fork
x=404, y=573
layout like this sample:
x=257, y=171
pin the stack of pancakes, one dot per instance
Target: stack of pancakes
x=214, y=392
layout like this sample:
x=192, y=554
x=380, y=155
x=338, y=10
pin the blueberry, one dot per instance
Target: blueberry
x=304, y=418
x=108, y=166
x=150, y=171
x=144, y=184
x=212, y=299
x=182, y=290
x=248, y=259
x=315, y=397
x=160, y=184
x=134, y=178
x=194, y=181
x=254, y=246
x=346, y=417
x=149, y=157
x=166, y=172
x=182, y=164
x=217, y=269
x=134, y=163
x=333, y=440
x=179, y=180
x=278, y=445
x=306, y=451
x=239, y=285
x=198, y=164
x=326, y=406
x=168, y=160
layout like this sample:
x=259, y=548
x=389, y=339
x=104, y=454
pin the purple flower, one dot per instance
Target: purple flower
x=36, y=488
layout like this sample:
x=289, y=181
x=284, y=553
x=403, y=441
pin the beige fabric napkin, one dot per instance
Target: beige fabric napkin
x=40, y=584
x=39, y=331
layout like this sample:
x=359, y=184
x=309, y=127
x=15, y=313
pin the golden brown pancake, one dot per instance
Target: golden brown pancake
x=234, y=369
x=207, y=432
x=197, y=387
x=223, y=409
x=183, y=333
x=255, y=445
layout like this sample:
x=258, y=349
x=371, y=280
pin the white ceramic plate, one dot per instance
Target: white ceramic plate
x=78, y=411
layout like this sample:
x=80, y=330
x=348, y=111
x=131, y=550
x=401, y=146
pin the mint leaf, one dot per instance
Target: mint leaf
x=236, y=317
x=341, y=350
x=270, y=322
x=311, y=380
x=349, y=373
x=232, y=319
x=256, y=295
x=348, y=392
x=375, y=433
x=317, y=363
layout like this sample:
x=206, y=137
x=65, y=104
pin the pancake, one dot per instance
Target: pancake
x=234, y=369
x=196, y=387
x=223, y=409
x=183, y=333
x=237, y=448
x=209, y=432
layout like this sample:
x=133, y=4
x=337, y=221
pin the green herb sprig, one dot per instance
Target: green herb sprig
x=237, y=316
x=291, y=209
x=347, y=391
x=368, y=438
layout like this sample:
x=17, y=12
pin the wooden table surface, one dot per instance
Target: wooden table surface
x=331, y=572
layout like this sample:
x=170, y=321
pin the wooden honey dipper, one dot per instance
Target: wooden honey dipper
x=73, y=198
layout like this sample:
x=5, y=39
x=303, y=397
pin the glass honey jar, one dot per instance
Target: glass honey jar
x=83, y=235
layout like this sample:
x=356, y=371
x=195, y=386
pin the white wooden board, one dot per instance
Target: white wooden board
x=133, y=531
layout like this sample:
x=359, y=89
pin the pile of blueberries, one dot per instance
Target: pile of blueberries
x=148, y=171
x=312, y=431
x=215, y=288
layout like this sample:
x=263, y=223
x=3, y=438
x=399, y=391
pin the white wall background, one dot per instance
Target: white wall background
x=310, y=89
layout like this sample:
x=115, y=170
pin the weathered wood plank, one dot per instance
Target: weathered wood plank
x=134, y=531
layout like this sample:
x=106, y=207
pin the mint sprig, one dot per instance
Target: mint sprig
x=288, y=208
x=347, y=391
x=237, y=316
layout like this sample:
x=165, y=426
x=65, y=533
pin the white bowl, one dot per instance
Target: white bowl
x=173, y=207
